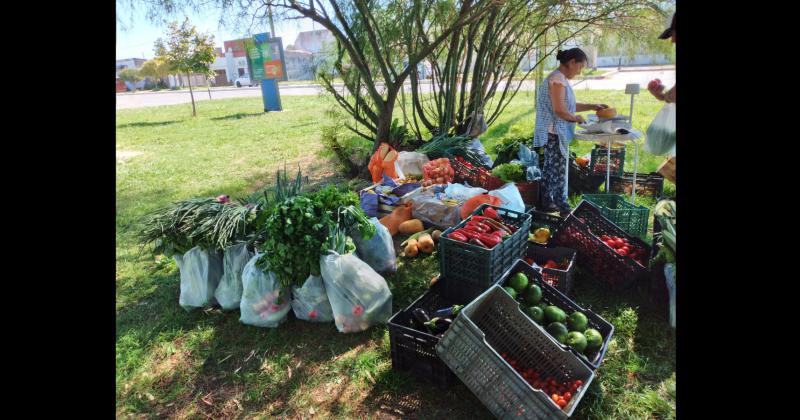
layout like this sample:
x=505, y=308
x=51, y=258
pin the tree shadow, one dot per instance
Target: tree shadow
x=398, y=394
x=238, y=116
x=501, y=129
x=147, y=124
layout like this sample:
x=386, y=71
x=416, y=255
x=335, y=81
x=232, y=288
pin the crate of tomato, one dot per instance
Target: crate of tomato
x=605, y=251
x=511, y=364
x=557, y=264
x=475, y=176
x=576, y=329
x=599, y=159
x=475, y=253
x=415, y=331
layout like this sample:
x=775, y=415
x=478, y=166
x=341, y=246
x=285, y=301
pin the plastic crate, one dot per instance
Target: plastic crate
x=541, y=219
x=414, y=350
x=581, y=231
x=629, y=217
x=475, y=176
x=581, y=180
x=597, y=164
x=563, y=280
x=552, y=296
x=471, y=269
x=650, y=185
x=529, y=192
x=494, y=324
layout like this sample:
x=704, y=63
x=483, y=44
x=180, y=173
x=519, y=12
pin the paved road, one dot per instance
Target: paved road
x=614, y=81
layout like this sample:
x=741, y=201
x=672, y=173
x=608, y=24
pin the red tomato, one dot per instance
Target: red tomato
x=567, y=396
x=554, y=397
x=604, y=238
x=611, y=244
x=562, y=403
x=578, y=382
x=622, y=252
x=619, y=242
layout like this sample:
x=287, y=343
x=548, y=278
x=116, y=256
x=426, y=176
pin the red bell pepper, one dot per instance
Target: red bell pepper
x=478, y=227
x=458, y=236
x=491, y=213
x=469, y=234
x=490, y=240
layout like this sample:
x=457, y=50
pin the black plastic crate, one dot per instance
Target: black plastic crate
x=541, y=219
x=471, y=269
x=581, y=231
x=551, y=296
x=563, y=280
x=597, y=164
x=581, y=179
x=413, y=350
x=647, y=185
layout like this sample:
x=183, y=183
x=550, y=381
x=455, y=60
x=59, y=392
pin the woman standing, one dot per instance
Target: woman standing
x=555, y=126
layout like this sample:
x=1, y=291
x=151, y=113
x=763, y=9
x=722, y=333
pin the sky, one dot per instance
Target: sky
x=137, y=38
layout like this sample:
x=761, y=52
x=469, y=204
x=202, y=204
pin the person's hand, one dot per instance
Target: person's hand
x=579, y=119
x=598, y=107
x=656, y=88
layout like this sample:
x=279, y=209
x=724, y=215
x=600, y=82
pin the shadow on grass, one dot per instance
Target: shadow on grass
x=238, y=116
x=398, y=394
x=147, y=124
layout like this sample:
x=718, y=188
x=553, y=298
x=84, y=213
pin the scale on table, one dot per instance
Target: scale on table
x=621, y=124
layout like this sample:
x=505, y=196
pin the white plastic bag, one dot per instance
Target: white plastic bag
x=669, y=274
x=310, y=302
x=201, y=271
x=378, y=252
x=463, y=193
x=410, y=163
x=229, y=291
x=264, y=302
x=359, y=296
x=510, y=197
x=661, y=132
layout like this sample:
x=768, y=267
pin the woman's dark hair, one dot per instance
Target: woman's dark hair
x=571, y=54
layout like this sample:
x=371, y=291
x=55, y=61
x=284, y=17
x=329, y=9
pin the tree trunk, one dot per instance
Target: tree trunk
x=208, y=86
x=191, y=93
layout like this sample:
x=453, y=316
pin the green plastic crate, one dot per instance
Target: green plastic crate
x=627, y=216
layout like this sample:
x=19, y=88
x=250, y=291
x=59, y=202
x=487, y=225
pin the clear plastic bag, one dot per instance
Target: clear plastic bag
x=201, y=271
x=264, y=302
x=661, y=132
x=359, y=296
x=310, y=302
x=410, y=163
x=510, y=198
x=669, y=274
x=229, y=291
x=377, y=252
x=431, y=209
x=462, y=193
x=477, y=146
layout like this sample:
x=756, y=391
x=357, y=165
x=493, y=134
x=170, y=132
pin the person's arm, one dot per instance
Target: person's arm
x=589, y=107
x=659, y=93
x=557, y=94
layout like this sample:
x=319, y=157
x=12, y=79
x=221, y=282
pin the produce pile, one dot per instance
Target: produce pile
x=572, y=330
x=294, y=235
x=436, y=323
x=437, y=172
x=560, y=392
x=622, y=247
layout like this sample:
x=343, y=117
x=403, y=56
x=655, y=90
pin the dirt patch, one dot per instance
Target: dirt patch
x=125, y=155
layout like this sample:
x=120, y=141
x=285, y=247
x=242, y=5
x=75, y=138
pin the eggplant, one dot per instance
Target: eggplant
x=419, y=317
x=438, y=325
x=449, y=312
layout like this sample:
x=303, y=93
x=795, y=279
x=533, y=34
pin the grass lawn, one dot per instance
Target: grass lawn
x=206, y=364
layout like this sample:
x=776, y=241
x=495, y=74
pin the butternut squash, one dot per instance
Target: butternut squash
x=411, y=226
x=400, y=214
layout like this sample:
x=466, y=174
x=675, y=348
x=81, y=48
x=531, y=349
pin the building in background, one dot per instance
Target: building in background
x=130, y=63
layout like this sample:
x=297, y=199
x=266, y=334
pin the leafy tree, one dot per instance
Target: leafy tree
x=157, y=68
x=187, y=51
x=130, y=75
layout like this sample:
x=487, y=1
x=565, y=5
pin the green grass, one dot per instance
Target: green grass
x=205, y=363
